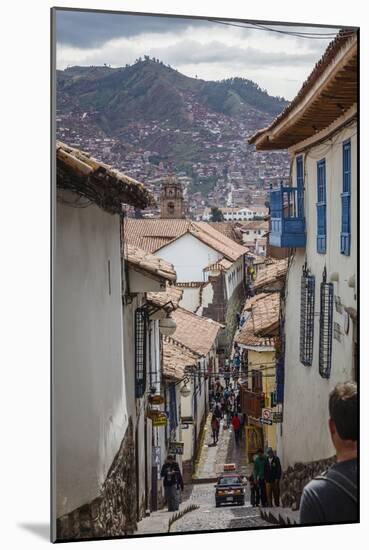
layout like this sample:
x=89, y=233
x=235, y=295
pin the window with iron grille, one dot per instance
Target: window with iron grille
x=141, y=321
x=321, y=207
x=346, y=199
x=326, y=327
x=307, y=318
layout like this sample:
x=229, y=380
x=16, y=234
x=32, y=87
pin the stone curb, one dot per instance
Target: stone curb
x=181, y=513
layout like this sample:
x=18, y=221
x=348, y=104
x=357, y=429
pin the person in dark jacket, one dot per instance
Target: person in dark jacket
x=172, y=481
x=272, y=476
x=254, y=491
x=215, y=429
x=332, y=497
x=259, y=473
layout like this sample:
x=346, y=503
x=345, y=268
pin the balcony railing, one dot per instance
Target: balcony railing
x=287, y=220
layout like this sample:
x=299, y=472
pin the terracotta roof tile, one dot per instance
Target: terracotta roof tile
x=143, y=261
x=334, y=47
x=229, y=229
x=176, y=358
x=262, y=323
x=79, y=172
x=195, y=332
x=271, y=273
x=172, y=294
x=151, y=235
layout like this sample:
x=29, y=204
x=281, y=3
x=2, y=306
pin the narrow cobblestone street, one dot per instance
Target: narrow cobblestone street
x=201, y=492
x=210, y=465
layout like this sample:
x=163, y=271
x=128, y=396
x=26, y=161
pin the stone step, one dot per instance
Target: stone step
x=280, y=516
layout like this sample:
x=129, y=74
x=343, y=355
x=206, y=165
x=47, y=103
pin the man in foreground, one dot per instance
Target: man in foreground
x=332, y=496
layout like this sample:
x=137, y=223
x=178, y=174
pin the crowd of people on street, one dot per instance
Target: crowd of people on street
x=225, y=405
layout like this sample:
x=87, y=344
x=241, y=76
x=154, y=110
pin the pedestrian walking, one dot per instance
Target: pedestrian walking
x=272, y=474
x=332, y=496
x=259, y=475
x=172, y=481
x=215, y=424
x=218, y=411
x=236, y=423
x=227, y=375
x=238, y=318
x=254, y=492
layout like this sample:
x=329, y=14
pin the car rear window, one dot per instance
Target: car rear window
x=229, y=480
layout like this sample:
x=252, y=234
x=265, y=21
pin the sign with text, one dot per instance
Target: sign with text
x=176, y=447
x=267, y=421
x=277, y=417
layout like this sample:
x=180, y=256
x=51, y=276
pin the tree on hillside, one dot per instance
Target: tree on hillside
x=216, y=214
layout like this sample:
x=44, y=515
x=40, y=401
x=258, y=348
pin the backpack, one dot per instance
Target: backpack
x=340, y=481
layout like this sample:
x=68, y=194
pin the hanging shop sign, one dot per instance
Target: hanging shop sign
x=277, y=417
x=267, y=421
x=159, y=418
x=176, y=447
x=156, y=399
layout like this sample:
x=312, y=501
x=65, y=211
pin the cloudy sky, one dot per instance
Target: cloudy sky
x=211, y=50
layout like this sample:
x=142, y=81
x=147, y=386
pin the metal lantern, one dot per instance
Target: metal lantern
x=167, y=326
x=185, y=390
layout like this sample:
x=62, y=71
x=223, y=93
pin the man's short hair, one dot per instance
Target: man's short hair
x=343, y=410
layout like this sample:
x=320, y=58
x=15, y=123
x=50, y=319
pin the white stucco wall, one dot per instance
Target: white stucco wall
x=207, y=296
x=189, y=257
x=234, y=276
x=90, y=414
x=190, y=298
x=305, y=432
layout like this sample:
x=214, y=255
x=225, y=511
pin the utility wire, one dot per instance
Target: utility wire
x=255, y=26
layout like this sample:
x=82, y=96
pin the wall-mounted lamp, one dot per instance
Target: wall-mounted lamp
x=167, y=326
x=185, y=390
x=334, y=277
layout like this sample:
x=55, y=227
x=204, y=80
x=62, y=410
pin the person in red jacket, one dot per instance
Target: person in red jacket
x=236, y=423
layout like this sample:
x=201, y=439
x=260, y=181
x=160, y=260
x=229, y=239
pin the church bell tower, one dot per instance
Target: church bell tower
x=172, y=204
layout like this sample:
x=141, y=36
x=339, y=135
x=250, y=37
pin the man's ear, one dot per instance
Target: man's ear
x=332, y=426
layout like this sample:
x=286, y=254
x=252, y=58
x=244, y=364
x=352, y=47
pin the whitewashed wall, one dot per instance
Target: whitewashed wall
x=234, y=277
x=206, y=297
x=305, y=431
x=189, y=257
x=90, y=413
x=190, y=298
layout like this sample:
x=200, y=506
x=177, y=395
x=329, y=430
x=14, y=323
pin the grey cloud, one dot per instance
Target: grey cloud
x=90, y=29
x=192, y=52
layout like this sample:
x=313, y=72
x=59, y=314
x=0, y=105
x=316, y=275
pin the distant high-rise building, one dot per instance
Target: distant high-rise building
x=172, y=205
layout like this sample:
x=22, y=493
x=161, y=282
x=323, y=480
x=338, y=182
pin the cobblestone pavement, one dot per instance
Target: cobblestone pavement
x=210, y=465
x=209, y=517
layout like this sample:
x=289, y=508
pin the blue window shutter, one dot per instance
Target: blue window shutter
x=321, y=207
x=300, y=185
x=346, y=199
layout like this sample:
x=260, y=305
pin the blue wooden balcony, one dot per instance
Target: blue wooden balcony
x=287, y=219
